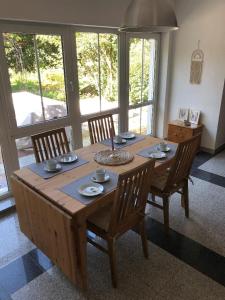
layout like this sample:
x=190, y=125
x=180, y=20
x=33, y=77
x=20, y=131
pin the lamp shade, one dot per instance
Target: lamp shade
x=149, y=16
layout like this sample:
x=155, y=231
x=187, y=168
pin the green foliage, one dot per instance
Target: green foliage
x=52, y=84
x=140, y=56
x=96, y=52
x=97, y=56
x=22, y=57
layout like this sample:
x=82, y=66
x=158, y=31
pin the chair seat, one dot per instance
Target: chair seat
x=159, y=181
x=101, y=218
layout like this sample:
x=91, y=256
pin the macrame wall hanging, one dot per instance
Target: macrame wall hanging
x=197, y=60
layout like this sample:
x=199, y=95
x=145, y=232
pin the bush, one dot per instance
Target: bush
x=52, y=84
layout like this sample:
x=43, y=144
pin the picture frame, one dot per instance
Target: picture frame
x=183, y=114
x=194, y=116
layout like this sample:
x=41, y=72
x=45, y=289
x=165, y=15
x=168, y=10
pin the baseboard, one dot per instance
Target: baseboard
x=213, y=151
x=220, y=148
x=7, y=211
x=208, y=150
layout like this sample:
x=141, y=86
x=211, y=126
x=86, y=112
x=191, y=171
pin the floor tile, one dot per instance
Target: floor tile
x=190, y=252
x=215, y=165
x=40, y=259
x=13, y=242
x=18, y=273
x=3, y=294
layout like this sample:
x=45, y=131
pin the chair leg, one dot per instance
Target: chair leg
x=186, y=199
x=166, y=213
x=112, y=259
x=143, y=238
x=182, y=199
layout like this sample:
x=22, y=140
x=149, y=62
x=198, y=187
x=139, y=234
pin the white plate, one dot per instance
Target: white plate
x=123, y=141
x=68, y=158
x=58, y=168
x=157, y=155
x=167, y=149
x=127, y=135
x=91, y=189
x=107, y=177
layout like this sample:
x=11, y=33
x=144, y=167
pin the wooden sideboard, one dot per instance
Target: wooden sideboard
x=178, y=132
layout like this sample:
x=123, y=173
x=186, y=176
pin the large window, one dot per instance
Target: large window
x=142, y=82
x=59, y=76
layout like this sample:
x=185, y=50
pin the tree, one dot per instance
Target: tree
x=97, y=56
x=22, y=55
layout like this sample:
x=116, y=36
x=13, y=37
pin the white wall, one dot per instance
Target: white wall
x=220, y=139
x=200, y=20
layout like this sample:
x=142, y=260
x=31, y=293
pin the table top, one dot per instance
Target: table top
x=49, y=188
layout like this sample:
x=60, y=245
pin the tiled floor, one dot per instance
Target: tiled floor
x=189, y=263
x=215, y=165
x=13, y=243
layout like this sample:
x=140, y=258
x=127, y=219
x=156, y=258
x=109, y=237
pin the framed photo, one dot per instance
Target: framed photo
x=183, y=114
x=194, y=116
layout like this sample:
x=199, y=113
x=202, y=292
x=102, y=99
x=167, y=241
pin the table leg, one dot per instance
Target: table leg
x=79, y=230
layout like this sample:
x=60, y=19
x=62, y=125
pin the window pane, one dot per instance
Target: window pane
x=135, y=71
x=88, y=75
x=140, y=120
x=20, y=55
x=109, y=70
x=85, y=134
x=35, y=66
x=148, y=70
x=3, y=179
x=50, y=61
x=97, y=58
x=141, y=70
x=116, y=123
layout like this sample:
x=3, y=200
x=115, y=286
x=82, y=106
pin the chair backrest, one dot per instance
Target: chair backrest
x=130, y=198
x=99, y=128
x=50, y=144
x=183, y=160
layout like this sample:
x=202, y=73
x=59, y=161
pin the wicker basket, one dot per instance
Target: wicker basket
x=113, y=158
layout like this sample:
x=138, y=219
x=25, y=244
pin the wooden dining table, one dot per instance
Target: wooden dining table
x=56, y=222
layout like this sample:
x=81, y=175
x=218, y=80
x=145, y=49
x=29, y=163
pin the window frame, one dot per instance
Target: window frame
x=10, y=132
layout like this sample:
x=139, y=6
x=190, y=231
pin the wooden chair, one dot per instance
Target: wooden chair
x=126, y=212
x=175, y=179
x=50, y=144
x=99, y=128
